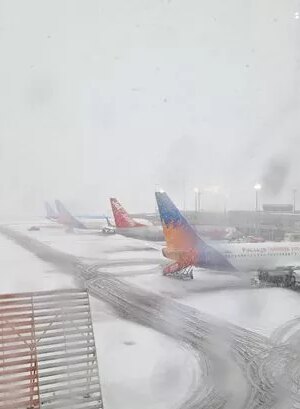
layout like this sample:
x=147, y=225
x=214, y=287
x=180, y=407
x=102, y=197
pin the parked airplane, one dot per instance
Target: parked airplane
x=187, y=249
x=66, y=218
x=127, y=226
x=78, y=222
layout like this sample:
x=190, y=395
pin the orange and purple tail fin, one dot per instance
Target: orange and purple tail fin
x=183, y=243
x=179, y=234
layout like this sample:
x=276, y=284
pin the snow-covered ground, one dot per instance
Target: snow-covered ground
x=261, y=310
x=230, y=298
x=22, y=271
x=139, y=368
x=226, y=296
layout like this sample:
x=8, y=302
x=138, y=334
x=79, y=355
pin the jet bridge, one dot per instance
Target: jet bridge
x=47, y=351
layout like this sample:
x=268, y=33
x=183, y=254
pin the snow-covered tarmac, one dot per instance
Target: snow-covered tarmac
x=139, y=366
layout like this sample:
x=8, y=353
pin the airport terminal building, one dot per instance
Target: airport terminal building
x=274, y=222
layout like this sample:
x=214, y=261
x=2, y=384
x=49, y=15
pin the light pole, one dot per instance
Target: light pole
x=257, y=188
x=197, y=199
x=196, y=190
x=160, y=190
x=294, y=200
x=226, y=197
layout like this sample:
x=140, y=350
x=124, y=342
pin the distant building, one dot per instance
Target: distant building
x=278, y=208
x=273, y=223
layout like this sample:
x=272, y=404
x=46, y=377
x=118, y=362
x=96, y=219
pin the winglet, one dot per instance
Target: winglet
x=109, y=223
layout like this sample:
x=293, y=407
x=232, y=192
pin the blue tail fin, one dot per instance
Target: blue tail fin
x=179, y=234
x=183, y=243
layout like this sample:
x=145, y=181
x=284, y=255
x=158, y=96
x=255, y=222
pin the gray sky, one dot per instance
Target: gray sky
x=102, y=98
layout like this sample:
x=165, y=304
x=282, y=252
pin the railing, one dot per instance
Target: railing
x=47, y=351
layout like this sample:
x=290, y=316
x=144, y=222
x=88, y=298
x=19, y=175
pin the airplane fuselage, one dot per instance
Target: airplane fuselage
x=151, y=233
x=247, y=257
x=92, y=224
x=155, y=233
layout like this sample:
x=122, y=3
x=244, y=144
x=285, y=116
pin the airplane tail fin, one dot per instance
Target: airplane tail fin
x=66, y=218
x=179, y=234
x=122, y=218
x=50, y=213
x=183, y=243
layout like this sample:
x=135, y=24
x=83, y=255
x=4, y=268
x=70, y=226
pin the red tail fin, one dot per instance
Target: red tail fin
x=122, y=218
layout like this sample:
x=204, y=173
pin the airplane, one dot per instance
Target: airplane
x=187, y=249
x=71, y=222
x=212, y=232
x=66, y=218
x=127, y=226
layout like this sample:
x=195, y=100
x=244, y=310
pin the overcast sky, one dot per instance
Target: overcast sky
x=115, y=98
